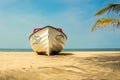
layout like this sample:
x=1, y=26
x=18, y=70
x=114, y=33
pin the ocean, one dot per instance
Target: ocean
x=65, y=50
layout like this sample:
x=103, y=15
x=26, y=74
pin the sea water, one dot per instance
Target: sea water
x=65, y=50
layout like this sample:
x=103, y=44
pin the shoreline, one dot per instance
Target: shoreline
x=65, y=66
x=63, y=52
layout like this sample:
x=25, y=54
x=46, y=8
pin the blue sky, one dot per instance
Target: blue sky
x=76, y=17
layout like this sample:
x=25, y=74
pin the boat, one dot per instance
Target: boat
x=47, y=40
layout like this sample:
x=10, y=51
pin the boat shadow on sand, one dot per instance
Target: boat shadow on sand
x=60, y=54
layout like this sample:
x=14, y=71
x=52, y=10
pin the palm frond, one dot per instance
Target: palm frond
x=105, y=22
x=110, y=8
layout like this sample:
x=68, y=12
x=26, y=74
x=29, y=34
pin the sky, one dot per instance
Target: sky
x=18, y=18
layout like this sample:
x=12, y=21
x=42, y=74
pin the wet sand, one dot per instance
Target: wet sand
x=65, y=66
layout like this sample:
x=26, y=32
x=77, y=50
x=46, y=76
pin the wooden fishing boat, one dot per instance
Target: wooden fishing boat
x=47, y=40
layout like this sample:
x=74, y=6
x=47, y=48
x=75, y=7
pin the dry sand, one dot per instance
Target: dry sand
x=66, y=66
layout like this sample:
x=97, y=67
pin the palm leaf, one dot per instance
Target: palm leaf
x=105, y=22
x=110, y=8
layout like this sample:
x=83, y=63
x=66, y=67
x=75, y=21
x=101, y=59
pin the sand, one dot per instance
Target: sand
x=66, y=66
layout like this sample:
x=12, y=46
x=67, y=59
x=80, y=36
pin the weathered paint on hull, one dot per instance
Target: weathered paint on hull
x=48, y=41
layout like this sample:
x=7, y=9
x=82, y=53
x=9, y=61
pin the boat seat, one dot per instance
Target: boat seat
x=59, y=29
x=37, y=29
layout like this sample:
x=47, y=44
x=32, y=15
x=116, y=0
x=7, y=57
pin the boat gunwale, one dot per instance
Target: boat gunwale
x=46, y=27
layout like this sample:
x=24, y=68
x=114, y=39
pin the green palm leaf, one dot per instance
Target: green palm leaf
x=105, y=22
x=110, y=8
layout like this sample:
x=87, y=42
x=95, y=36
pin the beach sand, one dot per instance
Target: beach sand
x=65, y=66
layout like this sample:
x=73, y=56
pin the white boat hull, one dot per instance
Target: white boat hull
x=48, y=41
